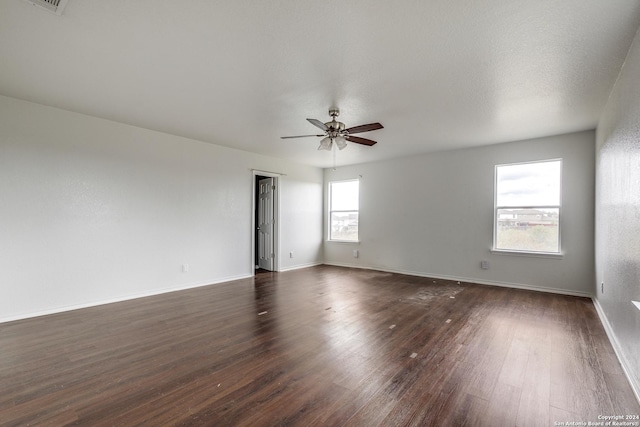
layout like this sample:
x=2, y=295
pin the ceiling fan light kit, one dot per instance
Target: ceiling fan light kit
x=325, y=144
x=340, y=142
x=336, y=132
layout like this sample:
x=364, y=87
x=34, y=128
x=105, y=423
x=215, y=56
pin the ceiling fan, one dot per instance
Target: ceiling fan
x=335, y=131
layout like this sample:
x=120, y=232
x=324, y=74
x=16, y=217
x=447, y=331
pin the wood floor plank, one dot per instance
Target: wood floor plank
x=503, y=405
x=321, y=346
x=561, y=417
x=533, y=409
x=515, y=363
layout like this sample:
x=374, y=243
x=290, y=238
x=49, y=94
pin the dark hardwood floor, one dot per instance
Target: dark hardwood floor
x=323, y=346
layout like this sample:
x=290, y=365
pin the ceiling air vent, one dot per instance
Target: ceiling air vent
x=53, y=6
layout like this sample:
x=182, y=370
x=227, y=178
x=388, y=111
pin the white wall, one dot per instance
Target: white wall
x=94, y=211
x=618, y=215
x=433, y=215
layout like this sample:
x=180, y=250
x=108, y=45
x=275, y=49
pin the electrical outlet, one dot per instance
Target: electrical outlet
x=185, y=268
x=484, y=265
x=355, y=253
x=291, y=254
x=602, y=287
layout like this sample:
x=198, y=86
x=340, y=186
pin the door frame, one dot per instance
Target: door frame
x=276, y=217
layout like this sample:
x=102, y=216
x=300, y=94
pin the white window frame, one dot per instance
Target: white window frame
x=331, y=211
x=496, y=208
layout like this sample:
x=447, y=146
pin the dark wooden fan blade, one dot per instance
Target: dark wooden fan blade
x=298, y=136
x=359, y=140
x=365, y=128
x=318, y=123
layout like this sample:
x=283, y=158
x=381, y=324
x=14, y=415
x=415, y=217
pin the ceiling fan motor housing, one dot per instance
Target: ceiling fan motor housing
x=335, y=128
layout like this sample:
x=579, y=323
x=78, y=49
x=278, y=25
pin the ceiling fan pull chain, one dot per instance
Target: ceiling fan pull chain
x=333, y=148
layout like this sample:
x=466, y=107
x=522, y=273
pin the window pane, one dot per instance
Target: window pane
x=528, y=230
x=344, y=226
x=530, y=184
x=344, y=195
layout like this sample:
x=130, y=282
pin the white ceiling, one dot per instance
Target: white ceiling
x=438, y=74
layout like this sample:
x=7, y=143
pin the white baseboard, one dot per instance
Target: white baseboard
x=121, y=298
x=472, y=280
x=635, y=385
x=298, y=267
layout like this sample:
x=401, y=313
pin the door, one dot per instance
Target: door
x=265, y=223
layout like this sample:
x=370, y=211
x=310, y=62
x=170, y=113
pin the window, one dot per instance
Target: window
x=343, y=210
x=527, y=207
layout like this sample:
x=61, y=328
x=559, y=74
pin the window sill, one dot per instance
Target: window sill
x=357, y=242
x=550, y=255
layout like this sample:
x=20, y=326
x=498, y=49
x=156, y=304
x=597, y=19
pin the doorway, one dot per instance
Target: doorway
x=265, y=223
